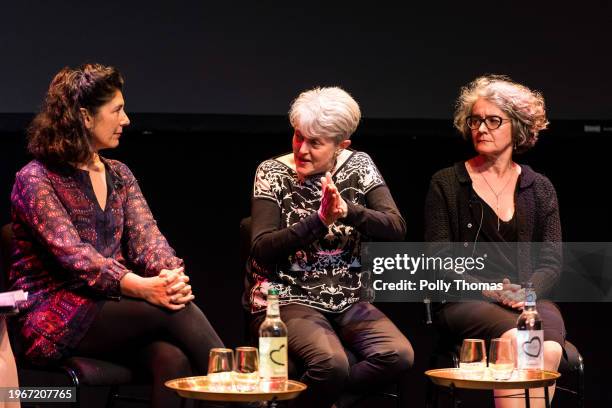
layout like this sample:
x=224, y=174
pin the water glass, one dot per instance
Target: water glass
x=220, y=368
x=246, y=369
x=473, y=359
x=501, y=359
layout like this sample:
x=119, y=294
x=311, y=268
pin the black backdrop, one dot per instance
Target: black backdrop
x=196, y=172
x=399, y=59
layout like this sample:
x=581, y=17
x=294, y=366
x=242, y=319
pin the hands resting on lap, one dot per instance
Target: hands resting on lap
x=511, y=295
x=169, y=289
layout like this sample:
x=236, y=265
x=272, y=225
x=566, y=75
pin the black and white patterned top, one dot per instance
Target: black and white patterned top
x=292, y=249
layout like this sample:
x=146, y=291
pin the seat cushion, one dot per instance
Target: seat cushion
x=88, y=371
x=98, y=372
x=571, y=360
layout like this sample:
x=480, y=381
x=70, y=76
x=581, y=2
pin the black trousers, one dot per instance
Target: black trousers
x=488, y=320
x=167, y=344
x=317, y=341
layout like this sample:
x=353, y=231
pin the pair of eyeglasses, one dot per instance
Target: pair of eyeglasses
x=491, y=122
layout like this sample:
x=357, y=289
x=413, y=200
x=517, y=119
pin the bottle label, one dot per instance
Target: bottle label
x=530, y=349
x=530, y=298
x=272, y=357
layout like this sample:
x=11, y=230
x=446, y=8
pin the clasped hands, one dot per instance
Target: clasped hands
x=333, y=206
x=511, y=295
x=170, y=289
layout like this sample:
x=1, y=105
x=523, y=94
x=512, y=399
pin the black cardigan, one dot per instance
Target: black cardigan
x=448, y=219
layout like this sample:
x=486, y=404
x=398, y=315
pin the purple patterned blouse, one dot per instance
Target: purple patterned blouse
x=70, y=254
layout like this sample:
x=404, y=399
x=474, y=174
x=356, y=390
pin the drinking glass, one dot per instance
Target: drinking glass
x=220, y=367
x=501, y=359
x=246, y=369
x=473, y=359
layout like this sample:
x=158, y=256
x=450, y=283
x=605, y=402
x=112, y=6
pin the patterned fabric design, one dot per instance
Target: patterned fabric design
x=326, y=274
x=67, y=264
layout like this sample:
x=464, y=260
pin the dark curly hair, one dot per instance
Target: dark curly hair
x=58, y=134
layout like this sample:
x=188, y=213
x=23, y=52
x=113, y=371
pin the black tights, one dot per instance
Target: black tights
x=167, y=344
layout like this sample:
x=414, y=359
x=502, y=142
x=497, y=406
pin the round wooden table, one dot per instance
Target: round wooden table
x=454, y=378
x=198, y=388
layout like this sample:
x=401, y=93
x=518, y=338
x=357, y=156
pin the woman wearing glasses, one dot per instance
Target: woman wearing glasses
x=489, y=202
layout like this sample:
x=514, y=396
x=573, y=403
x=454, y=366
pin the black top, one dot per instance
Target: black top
x=449, y=218
x=501, y=257
x=102, y=217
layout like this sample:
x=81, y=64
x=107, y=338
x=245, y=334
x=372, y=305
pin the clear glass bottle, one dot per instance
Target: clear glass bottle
x=530, y=336
x=273, y=360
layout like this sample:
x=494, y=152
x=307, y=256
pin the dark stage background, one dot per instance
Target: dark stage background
x=399, y=59
x=208, y=87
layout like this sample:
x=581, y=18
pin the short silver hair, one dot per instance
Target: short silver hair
x=325, y=112
x=523, y=106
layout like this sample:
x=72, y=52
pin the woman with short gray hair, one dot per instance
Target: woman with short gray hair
x=325, y=112
x=311, y=208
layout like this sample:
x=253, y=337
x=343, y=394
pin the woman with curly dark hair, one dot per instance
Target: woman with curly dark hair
x=102, y=279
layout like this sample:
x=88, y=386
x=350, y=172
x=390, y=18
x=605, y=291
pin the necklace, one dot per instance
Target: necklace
x=497, y=194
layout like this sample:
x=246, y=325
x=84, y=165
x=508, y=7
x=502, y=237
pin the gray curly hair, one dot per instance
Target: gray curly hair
x=325, y=112
x=523, y=106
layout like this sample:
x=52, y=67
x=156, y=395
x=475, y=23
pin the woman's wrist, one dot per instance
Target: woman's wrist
x=343, y=211
x=322, y=218
x=132, y=285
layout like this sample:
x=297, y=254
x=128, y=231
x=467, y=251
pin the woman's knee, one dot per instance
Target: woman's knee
x=405, y=356
x=331, y=368
x=394, y=360
x=190, y=325
x=168, y=360
x=510, y=334
x=191, y=312
x=552, y=354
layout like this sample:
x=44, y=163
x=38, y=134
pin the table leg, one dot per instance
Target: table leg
x=546, y=401
x=527, y=399
x=273, y=403
x=429, y=396
x=454, y=396
x=435, y=397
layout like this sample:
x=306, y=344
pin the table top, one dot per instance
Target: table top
x=448, y=377
x=198, y=388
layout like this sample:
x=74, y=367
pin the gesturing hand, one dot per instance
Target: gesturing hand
x=332, y=205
